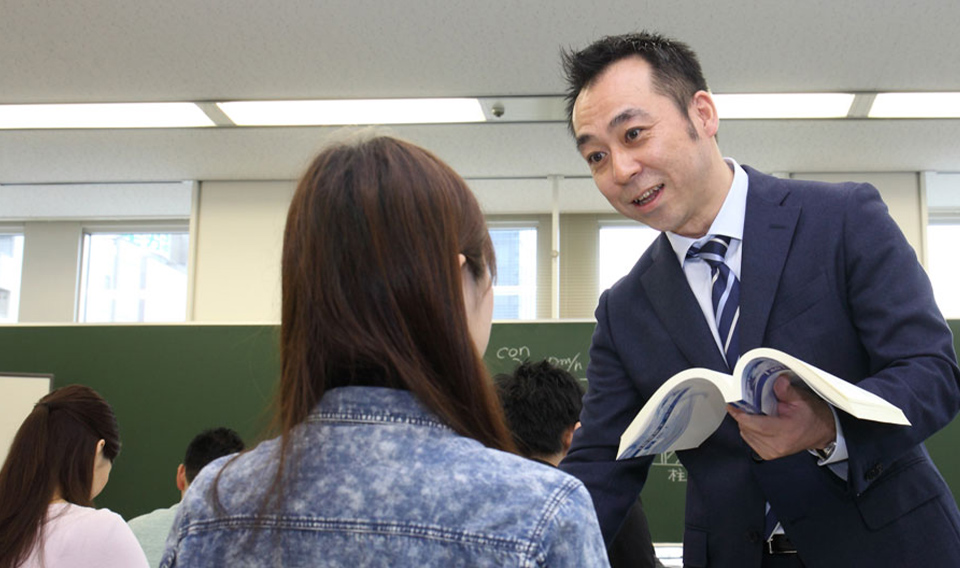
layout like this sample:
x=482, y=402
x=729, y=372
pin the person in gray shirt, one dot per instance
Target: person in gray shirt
x=152, y=528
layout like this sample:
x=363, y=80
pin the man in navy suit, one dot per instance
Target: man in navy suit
x=822, y=273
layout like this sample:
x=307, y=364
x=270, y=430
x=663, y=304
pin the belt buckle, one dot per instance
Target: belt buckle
x=783, y=545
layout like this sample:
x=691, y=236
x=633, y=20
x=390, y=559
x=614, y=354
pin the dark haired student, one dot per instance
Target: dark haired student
x=542, y=403
x=394, y=450
x=59, y=461
x=745, y=260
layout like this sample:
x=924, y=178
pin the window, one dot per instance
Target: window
x=621, y=245
x=134, y=277
x=943, y=269
x=11, y=265
x=515, y=291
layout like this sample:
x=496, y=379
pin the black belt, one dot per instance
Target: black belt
x=780, y=544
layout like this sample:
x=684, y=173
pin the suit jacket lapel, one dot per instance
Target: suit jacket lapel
x=675, y=305
x=767, y=233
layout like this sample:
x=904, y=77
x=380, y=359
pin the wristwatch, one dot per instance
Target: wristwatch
x=827, y=451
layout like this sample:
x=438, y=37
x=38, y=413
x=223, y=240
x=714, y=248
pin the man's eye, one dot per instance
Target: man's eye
x=633, y=134
x=595, y=157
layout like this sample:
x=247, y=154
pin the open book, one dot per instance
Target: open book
x=690, y=406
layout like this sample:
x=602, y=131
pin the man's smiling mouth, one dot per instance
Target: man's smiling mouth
x=648, y=195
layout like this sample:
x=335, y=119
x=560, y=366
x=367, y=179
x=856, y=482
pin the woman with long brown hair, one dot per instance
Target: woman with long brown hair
x=393, y=449
x=59, y=461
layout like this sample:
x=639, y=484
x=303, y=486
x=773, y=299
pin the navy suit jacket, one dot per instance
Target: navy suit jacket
x=828, y=277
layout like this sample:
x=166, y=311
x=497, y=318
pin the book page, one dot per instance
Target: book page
x=680, y=415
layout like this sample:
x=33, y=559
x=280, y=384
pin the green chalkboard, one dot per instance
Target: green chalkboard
x=943, y=445
x=563, y=343
x=167, y=383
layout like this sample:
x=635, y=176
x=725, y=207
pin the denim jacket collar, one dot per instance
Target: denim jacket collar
x=371, y=405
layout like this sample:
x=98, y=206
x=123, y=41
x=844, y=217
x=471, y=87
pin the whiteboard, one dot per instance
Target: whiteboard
x=18, y=394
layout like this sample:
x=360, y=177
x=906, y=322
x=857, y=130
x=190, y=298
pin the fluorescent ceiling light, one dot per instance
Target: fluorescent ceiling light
x=113, y=115
x=784, y=105
x=916, y=105
x=346, y=112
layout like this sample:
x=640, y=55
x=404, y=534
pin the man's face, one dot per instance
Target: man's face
x=648, y=159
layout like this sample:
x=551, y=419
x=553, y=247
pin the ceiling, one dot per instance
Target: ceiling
x=214, y=50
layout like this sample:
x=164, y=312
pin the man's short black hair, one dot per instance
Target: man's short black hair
x=541, y=402
x=208, y=446
x=676, y=70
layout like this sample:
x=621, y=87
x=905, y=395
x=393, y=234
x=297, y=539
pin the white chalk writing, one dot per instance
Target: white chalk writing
x=677, y=475
x=518, y=354
x=570, y=364
x=668, y=459
x=522, y=353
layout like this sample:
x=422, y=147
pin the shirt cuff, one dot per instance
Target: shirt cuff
x=837, y=460
x=840, y=451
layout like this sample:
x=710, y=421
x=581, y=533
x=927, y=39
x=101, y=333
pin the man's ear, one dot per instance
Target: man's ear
x=182, y=478
x=703, y=112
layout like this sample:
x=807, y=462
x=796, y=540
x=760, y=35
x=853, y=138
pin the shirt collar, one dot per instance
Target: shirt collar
x=729, y=220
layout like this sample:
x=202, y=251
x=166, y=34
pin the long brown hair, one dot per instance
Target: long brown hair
x=53, y=449
x=372, y=286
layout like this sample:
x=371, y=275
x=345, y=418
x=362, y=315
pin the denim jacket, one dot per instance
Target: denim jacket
x=375, y=479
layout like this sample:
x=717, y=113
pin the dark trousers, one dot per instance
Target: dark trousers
x=632, y=546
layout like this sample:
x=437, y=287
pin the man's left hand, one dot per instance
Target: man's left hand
x=803, y=421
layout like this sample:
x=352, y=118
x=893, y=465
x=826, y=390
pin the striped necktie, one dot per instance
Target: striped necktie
x=726, y=294
x=726, y=310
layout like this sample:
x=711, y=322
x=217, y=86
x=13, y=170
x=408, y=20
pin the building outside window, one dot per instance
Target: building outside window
x=134, y=277
x=621, y=244
x=942, y=237
x=11, y=266
x=515, y=290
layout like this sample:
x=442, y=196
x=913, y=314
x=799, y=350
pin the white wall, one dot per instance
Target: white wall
x=943, y=190
x=20, y=394
x=48, y=282
x=95, y=201
x=238, y=231
x=239, y=237
x=902, y=194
